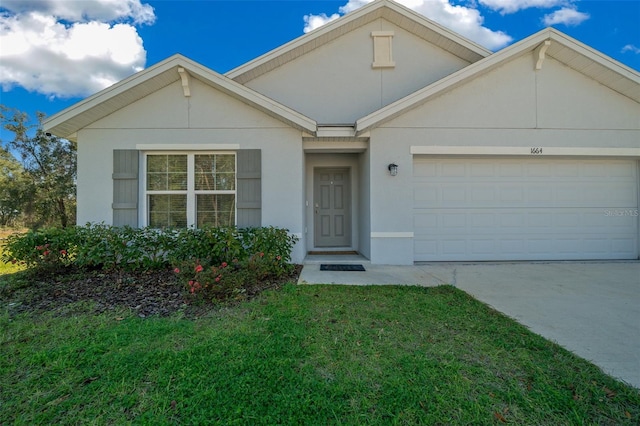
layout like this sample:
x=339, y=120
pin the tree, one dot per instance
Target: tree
x=49, y=161
x=16, y=190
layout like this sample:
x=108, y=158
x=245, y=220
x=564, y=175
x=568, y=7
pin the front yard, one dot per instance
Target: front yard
x=297, y=355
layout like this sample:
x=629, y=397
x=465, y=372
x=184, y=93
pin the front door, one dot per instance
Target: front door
x=332, y=207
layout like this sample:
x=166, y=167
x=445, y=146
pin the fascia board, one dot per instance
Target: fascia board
x=436, y=27
x=594, y=55
x=210, y=77
x=253, y=98
x=484, y=65
x=304, y=39
x=110, y=92
x=348, y=18
x=447, y=83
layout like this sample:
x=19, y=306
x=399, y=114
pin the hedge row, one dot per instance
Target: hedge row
x=133, y=249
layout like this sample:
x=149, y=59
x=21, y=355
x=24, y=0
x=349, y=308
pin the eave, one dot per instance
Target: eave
x=546, y=43
x=389, y=10
x=68, y=122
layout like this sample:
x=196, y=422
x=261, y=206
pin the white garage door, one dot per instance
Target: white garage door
x=524, y=209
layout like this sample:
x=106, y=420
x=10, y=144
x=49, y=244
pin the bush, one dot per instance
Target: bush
x=123, y=248
x=228, y=261
x=214, y=263
x=49, y=249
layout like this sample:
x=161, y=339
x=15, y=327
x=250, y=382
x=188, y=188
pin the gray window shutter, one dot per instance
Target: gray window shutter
x=249, y=191
x=125, y=187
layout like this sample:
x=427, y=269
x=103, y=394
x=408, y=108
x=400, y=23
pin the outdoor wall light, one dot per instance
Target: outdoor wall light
x=393, y=169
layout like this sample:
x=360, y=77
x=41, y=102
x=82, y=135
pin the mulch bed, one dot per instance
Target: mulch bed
x=147, y=294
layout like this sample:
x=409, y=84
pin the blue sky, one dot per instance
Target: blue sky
x=53, y=53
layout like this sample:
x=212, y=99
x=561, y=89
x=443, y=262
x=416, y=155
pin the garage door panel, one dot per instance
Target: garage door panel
x=525, y=209
x=483, y=220
x=513, y=169
x=589, y=221
x=482, y=170
x=483, y=193
x=540, y=248
x=623, y=246
x=517, y=247
x=507, y=195
x=511, y=220
x=512, y=194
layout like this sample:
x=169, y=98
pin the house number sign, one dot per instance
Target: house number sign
x=536, y=150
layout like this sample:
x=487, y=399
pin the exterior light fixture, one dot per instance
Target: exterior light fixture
x=393, y=169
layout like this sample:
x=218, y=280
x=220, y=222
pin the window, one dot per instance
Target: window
x=195, y=189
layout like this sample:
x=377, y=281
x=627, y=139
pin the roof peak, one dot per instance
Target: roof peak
x=386, y=9
x=67, y=122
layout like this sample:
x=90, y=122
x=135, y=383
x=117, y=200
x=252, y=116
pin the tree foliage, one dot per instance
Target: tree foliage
x=16, y=191
x=50, y=164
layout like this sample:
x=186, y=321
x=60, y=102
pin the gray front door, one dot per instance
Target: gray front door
x=332, y=207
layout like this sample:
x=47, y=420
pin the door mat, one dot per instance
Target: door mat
x=341, y=267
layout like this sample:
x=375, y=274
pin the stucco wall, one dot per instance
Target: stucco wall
x=167, y=118
x=564, y=107
x=511, y=106
x=364, y=219
x=391, y=202
x=335, y=83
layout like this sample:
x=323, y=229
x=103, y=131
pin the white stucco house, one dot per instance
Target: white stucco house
x=528, y=153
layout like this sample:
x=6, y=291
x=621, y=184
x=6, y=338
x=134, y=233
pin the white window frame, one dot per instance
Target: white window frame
x=191, y=192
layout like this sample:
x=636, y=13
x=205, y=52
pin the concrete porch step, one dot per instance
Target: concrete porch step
x=316, y=259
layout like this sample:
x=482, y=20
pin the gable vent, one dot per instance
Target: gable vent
x=382, y=49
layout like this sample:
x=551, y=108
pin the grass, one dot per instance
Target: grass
x=302, y=355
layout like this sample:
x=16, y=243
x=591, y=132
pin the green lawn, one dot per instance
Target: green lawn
x=302, y=355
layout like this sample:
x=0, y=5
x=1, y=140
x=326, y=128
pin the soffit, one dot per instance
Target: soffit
x=595, y=65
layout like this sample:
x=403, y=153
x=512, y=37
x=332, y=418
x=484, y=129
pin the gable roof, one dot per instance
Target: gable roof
x=66, y=123
x=563, y=48
x=397, y=14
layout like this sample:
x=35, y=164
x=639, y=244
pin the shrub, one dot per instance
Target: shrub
x=50, y=248
x=216, y=263
x=207, y=245
x=251, y=256
x=123, y=248
x=275, y=244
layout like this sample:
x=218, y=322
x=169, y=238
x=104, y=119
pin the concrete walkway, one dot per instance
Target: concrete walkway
x=590, y=308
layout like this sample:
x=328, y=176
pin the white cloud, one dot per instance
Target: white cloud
x=631, y=48
x=463, y=20
x=86, y=10
x=70, y=48
x=311, y=22
x=512, y=6
x=566, y=16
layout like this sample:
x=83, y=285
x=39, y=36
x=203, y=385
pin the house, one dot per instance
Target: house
x=381, y=132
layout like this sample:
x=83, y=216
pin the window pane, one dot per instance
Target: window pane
x=156, y=181
x=225, y=181
x=168, y=210
x=167, y=172
x=205, y=172
x=215, y=172
x=178, y=181
x=156, y=163
x=225, y=163
x=225, y=172
x=215, y=210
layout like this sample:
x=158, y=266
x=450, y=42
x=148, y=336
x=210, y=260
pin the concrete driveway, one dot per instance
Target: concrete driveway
x=590, y=308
